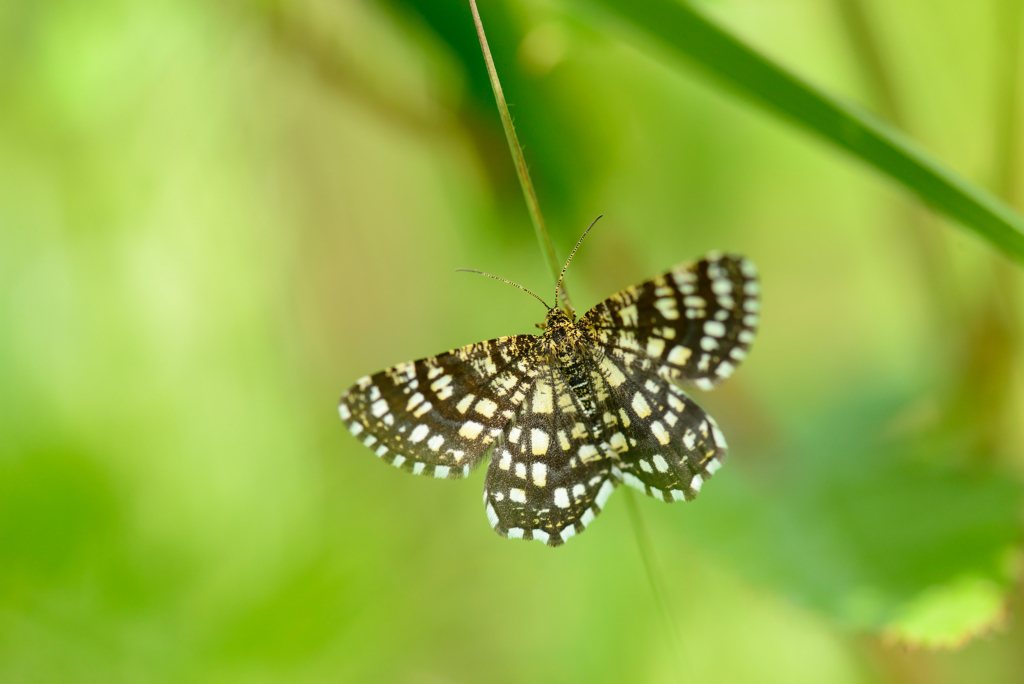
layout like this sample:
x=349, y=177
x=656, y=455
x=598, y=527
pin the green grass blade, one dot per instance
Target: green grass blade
x=685, y=32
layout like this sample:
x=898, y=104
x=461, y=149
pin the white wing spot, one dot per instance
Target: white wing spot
x=640, y=405
x=568, y=533
x=419, y=434
x=355, y=428
x=704, y=384
x=418, y=468
x=521, y=471
x=399, y=460
x=587, y=452
x=441, y=382
x=441, y=472
x=542, y=399
x=517, y=495
x=660, y=464
x=602, y=495
x=628, y=315
x=506, y=460
x=541, y=536
x=624, y=417
x=746, y=337
x=667, y=307
x=679, y=355
x=562, y=497
x=344, y=412
x=676, y=403
x=513, y=435
x=612, y=373
x=646, y=466
x=424, y=407
x=540, y=474
x=563, y=441
x=486, y=408
x=578, y=490
x=696, y=482
x=725, y=369
x=538, y=442
x=465, y=403
x=719, y=437
x=435, y=442
x=515, y=532
x=694, y=302
x=714, y=328
x=721, y=286
x=655, y=346
x=588, y=517
x=470, y=430
x=712, y=466
x=618, y=442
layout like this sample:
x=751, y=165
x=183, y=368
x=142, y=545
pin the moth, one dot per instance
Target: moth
x=570, y=414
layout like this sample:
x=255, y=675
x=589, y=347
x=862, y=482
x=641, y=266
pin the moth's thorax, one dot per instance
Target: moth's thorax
x=566, y=342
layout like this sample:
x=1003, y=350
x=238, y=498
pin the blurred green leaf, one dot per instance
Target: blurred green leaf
x=863, y=528
x=946, y=616
x=685, y=32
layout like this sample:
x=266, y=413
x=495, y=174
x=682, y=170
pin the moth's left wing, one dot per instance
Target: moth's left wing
x=438, y=416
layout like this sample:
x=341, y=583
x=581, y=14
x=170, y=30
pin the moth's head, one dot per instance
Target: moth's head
x=557, y=321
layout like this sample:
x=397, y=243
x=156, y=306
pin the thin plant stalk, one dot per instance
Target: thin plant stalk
x=654, y=578
x=546, y=246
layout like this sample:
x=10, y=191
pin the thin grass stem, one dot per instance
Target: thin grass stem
x=656, y=581
x=546, y=246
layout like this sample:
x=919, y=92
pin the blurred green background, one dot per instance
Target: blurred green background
x=214, y=216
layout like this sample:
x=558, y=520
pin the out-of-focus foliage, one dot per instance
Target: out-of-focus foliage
x=215, y=216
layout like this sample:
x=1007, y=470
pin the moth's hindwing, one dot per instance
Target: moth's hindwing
x=666, y=444
x=438, y=416
x=550, y=475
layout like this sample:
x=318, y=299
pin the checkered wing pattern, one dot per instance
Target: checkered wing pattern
x=549, y=476
x=439, y=415
x=666, y=444
x=693, y=324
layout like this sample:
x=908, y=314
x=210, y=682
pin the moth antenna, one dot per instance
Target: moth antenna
x=504, y=280
x=558, y=285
